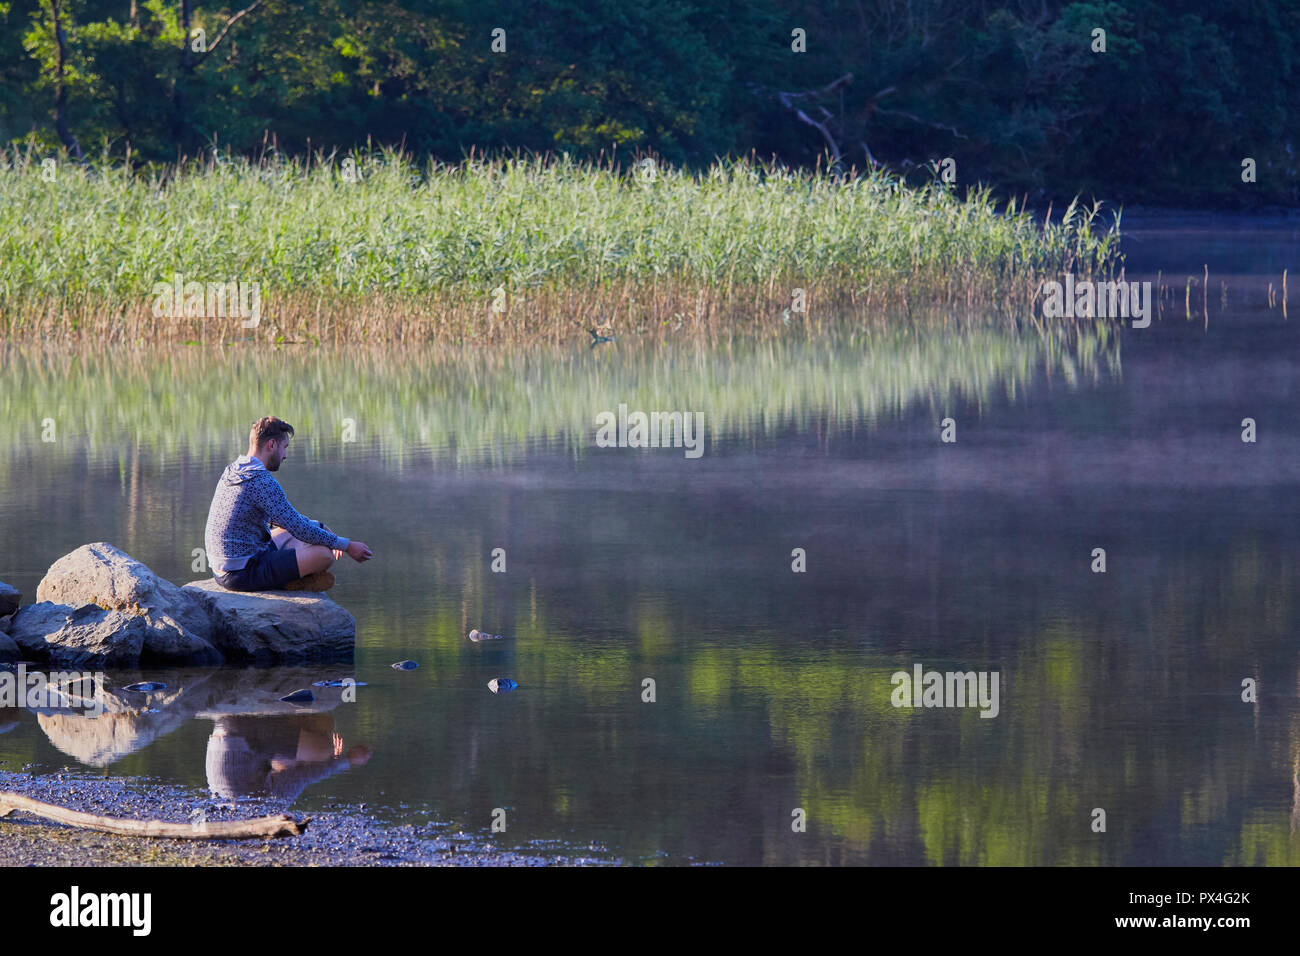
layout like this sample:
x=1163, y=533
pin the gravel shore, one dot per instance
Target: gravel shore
x=347, y=836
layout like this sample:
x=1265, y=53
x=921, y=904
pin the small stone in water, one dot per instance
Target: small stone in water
x=476, y=636
x=501, y=685
x=299, y=697
x=145, y=687
x=405, y=666
x=340, y=683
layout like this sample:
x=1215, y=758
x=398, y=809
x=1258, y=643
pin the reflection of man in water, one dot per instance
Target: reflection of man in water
x=279, y=756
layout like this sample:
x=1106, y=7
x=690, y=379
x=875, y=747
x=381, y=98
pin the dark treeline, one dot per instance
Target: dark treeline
x=1012, y=91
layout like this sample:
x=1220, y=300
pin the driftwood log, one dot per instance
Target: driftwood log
x=259, y=829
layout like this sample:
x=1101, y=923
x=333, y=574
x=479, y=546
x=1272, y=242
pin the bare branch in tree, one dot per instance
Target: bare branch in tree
x=788, y=99
x=917, y=119
x=831, y=87
x=226, y=29
x=853, y=128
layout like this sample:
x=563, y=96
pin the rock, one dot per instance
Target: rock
x=478, y=636
x=9, y=650
x=405, y=666
x=502, y=685
x=299, y=697
x=276, y=627
x=169, y=642
x=98, y=606
x=145, y=687
x=86, y=636
x=179, y=627
x=94, y=636
x=10, y=598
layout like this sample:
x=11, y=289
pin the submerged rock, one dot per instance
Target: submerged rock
x=502, y=685
x=145, y=687
x=276, y=627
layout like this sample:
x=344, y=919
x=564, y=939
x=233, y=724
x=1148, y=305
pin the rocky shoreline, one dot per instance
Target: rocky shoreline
x=342, y=836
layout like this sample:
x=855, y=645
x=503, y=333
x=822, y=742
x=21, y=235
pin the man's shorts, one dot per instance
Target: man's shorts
x=268, y=570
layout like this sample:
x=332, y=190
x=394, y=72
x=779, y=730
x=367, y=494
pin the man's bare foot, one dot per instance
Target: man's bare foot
x=316, y=581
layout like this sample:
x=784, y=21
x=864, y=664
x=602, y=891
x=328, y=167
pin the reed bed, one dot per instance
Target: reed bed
x=523, y=250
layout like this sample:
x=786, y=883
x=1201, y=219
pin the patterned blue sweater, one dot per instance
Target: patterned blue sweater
x=248, y=498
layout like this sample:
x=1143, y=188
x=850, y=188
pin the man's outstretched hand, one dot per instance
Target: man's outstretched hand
x=357, y=551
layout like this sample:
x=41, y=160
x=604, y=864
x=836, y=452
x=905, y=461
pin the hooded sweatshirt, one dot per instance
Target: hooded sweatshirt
x=247, y=499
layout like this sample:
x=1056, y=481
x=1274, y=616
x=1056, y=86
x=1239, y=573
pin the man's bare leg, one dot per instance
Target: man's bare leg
x=311, y=557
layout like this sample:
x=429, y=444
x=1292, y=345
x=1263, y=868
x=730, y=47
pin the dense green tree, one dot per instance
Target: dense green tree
x=1012, y=90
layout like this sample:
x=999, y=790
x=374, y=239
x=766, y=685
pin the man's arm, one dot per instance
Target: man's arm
x=271, y=498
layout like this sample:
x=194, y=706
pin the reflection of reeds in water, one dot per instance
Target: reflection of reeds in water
x=412, y=253
x=481, y=405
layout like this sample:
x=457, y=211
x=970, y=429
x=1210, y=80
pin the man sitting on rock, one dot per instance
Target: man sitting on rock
x=244, y=553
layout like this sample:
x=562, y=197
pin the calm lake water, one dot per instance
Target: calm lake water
x=1119, y=690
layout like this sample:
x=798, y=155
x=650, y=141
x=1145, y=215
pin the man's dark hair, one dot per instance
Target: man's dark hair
x=268, y=428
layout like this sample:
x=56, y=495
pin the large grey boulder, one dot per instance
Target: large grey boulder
x=100, y=607
x=179, y=628
x=102, y=574
x=86, y=636
x=93, y=636
x=276, y=627
x=10, y=598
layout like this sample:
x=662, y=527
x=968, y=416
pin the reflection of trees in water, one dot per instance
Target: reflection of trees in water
x=1130, y=701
